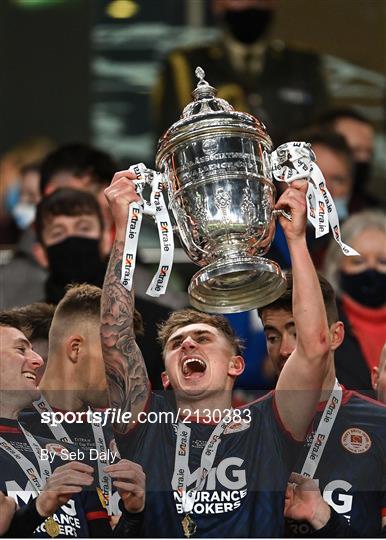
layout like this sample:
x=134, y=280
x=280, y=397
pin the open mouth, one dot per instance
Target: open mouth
x=193, y=367
x=29, y=375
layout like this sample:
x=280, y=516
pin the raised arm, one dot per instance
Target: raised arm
x=127, y=379
x=300, y=382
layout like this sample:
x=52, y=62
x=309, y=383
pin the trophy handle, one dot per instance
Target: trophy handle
x=283, y=213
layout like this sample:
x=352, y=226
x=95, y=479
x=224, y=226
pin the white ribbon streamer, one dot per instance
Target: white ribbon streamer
x=133, y=227
x=156, y=208
x=296, y=161
x=165, y=232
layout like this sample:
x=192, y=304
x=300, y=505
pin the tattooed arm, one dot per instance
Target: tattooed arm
x=127, y=379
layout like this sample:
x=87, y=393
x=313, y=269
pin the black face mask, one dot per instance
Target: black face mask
x=75, y=260
x=248, y=25
x=362, y=174
x=367, y=288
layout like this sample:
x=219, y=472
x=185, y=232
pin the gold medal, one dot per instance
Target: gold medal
x=189, y=526
x=52, y=528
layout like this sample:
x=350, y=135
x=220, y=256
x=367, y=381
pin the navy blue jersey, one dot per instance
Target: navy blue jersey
x=72, y=517
x=81, y=435
x=243, y=494
x=352, y=470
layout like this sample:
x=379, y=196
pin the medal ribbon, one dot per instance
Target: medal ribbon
x=296, y=161
x=37, y=480
x=58, y=431
x=322, y=433
x=156, y=208
x=181, y=462
x=104, y=479
x=60, y=434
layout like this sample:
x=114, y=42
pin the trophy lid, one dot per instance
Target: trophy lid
x=208, y=114
x=205, y=100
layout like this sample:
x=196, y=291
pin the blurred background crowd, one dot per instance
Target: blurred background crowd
x=88, y=87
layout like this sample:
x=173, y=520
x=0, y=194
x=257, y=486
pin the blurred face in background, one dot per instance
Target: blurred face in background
x=30, y=192
x=337, y=172
x=85, y=183
x=72, y=250
x=246, y=20
x=359, y=137
x=59, y=228
x=363, y=277
x=25, y=210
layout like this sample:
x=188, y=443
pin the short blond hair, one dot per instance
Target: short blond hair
x=84, y=300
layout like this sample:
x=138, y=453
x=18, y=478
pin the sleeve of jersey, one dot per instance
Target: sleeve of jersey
x=336, y=527
x=24, y=521
x=129, y=525
x=288, y=447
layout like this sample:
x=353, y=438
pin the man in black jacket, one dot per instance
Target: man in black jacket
x=281, y=85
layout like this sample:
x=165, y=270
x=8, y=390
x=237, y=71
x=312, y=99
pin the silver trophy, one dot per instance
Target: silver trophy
x=216, y=166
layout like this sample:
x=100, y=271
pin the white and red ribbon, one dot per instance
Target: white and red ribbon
x=156, y=208
x=296, y=161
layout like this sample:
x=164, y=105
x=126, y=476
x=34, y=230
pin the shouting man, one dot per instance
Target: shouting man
x=211, y=470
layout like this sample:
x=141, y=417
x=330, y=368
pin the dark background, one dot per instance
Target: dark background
x=54, y=83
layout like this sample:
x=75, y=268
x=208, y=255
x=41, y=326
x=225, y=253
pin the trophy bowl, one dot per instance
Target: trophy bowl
x=215, y=162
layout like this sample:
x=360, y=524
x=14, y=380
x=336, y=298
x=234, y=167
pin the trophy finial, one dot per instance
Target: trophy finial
x=204, y=98
x=203, y=89
x=200, y=74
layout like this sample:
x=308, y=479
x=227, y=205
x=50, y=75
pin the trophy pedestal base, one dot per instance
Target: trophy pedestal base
x=234, y=286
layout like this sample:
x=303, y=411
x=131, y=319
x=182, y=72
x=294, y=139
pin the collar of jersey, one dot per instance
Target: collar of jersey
x=345, y=397
x=8, y=425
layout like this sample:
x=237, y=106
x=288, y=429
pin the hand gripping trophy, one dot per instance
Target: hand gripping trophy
x=217, y=166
